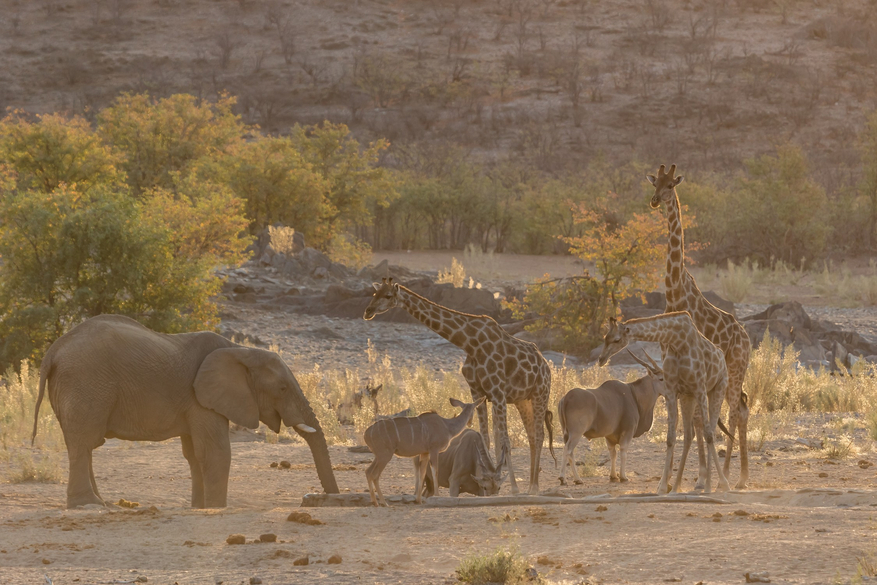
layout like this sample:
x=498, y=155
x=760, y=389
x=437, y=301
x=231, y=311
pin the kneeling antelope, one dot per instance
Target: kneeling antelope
x=466, y=467
x=617, y=411
x=422, y=437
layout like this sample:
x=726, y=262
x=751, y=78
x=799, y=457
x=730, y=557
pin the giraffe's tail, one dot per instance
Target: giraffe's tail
x=549, y=425
x=725, y=430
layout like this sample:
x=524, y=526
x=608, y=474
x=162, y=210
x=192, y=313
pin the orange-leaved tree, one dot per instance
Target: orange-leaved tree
x=625, y=256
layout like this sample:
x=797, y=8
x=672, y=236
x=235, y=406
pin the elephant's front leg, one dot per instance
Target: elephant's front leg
x=213, y=452
x=195, y=469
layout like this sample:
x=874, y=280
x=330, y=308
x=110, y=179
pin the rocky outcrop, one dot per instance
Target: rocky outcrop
x=819, y=343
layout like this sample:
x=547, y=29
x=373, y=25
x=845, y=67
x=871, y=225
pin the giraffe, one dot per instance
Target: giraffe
x=719, y=327
x=500, y=367
x=696, y=377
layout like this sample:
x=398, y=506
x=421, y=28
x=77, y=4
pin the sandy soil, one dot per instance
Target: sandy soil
x=798, y=538
x=810, y=536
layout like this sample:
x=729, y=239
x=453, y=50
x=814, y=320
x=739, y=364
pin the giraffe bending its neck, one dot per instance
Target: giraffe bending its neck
x=695, y=375
x=719, y=327
x=500, y=367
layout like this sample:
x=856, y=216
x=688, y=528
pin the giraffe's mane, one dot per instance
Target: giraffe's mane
x=461, y=313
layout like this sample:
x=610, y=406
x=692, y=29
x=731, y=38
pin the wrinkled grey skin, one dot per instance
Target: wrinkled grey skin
x=111, y=377
x=466, y=467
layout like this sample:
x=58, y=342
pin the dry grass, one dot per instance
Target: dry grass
x=455, y=275
x=501, y=566
x=846, y=289
x=17, y=401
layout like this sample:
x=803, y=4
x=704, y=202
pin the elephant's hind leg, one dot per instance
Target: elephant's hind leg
x=81, y=487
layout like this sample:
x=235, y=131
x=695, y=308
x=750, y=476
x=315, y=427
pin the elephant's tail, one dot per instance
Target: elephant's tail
x=44, y=376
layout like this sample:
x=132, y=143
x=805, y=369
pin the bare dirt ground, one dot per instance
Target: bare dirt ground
x=810, y=536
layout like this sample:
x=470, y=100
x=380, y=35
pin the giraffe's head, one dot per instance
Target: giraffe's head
x=386, y=297
x=665, y=184
x=614, y=341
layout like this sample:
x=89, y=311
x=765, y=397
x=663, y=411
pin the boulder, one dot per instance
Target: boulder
x=311, y=258
x=791, y=312
x=724, y=304
x=806, y=344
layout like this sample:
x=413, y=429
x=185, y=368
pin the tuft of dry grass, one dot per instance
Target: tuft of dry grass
x=500, y=566
x=736, y=282
x=455, y=275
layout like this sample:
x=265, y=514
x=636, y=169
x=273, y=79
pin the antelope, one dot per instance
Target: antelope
x=422, y=437
x=617, y=411
x=466, y=467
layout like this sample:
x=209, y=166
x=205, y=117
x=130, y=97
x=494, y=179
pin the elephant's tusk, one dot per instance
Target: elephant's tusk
x=305, y=428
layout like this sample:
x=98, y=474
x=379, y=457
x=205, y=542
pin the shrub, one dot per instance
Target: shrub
x=736, y=282
x=349, y=251
x=44, y=468
x=501, y=566
x=162, y=137
x=455, y=275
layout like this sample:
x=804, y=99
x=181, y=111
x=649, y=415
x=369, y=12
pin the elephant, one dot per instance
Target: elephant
x=111, y=377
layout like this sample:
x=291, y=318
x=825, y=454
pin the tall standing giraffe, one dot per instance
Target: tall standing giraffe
x=719, y=327
x=502, y=368
x=695, y=374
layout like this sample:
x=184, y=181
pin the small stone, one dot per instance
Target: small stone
x=236, y=539
x=141, y=579
x=273, y=464
x=719, y=519
x=303, y=518
x=268, y=537
x=301, y=561
x=255, y=581
x=532, y=574
x=823, y=474
x=543, y=560
x=127, y=504
x=285, y=464
x=47, y=562
x=741, y=513
x=717, y=515
x=600, y=508
x=762, y=577
x=334, y=560
x=650, y=516
x=864, y=463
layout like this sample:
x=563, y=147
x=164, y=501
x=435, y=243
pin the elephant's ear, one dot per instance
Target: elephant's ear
x=224, y=384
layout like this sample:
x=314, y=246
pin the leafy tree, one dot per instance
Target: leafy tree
x=626, y=256
x=778, y=211
x=868, y=183
x=278, y=185
x=165, y=136
x=53, y=150
x=355, y=183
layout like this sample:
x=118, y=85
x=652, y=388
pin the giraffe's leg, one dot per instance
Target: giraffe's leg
x=686, y=403
x=468, y=371
x=702, y=463
x=711, y=408
x=501, y=438
x=613, y=475
x=744, y=445
x=672, y=421
x=527, y=411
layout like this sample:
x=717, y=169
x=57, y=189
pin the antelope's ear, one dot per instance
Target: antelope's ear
x=377, y=285
x=457, y=403
x=651, y=178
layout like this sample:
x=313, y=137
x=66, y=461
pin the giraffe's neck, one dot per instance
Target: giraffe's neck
x=674, y=279
x=449, y=324
x=668, y=329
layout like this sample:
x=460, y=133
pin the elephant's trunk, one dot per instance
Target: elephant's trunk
x=319, y=449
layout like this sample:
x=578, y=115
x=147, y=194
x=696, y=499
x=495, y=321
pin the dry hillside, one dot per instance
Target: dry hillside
x=700, y=82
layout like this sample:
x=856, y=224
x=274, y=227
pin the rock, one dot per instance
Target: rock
x=741, y=513
x=268, y=537
x=301, y=561
x=337, y=293
x=47, y=562
x=255, y=581
x=823, y=474
x=600, y=508
x=313, y=258
x=864, y=463
x=532, y=574
x=127, y=504
x=303, y=518
x=762, y=577
x=285, y=464
x=248, y=298
x=236, y=539
x=792, y=312
x=724, y=304
x=334, y=559
x=241, y=288
x=274, y=464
